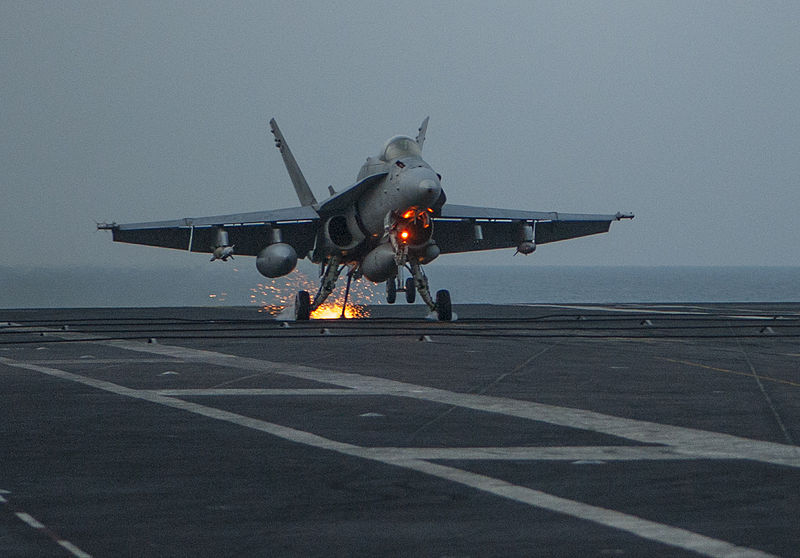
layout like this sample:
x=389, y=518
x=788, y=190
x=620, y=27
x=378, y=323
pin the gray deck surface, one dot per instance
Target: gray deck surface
x=542, y=430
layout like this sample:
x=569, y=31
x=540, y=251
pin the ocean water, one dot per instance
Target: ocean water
x=235, y=285
x=622, y=284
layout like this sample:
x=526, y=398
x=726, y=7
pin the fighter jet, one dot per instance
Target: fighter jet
x=394, y=219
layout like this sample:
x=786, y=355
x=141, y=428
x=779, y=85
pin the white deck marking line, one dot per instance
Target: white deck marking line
x=656, y=310
x=621, y=310
x=77, y=552
x=259, y=391
x=29, y=520
x=690, y=441
x=39, y=526
x=643, y=528
x=64, y=362
x=767, y=398
x=281, y=431
x=671, y=536
x=530, y=453
x=750, y=317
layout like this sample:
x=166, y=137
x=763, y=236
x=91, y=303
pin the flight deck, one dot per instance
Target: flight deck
x=519, y=430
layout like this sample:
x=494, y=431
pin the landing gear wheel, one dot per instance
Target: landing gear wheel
x=302, y=306
x=411, y=290
x=391, y=290
x=444, y=310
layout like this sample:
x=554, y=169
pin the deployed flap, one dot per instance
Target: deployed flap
x=452, y=211
x=459, y=236
x=248, y=232
x=502, y=228
x=270, y=216
x=304, y=193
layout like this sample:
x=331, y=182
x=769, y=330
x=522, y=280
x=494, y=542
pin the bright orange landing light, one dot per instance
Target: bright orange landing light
x=404, y=235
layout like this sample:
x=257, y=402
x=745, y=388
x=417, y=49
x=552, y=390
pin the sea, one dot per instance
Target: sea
x=235, y=284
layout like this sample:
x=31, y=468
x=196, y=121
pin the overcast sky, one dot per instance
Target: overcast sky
x=686, y=113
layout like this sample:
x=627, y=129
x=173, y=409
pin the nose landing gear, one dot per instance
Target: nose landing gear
x=418, y=282
x=396, y=285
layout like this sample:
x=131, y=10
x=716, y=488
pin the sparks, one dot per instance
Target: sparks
x=279, y=293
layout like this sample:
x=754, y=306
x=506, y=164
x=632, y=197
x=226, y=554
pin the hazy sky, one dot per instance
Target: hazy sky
x=686, y=113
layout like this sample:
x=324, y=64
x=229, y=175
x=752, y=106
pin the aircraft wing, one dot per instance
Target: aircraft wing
x=247, y=232
x=455, y=227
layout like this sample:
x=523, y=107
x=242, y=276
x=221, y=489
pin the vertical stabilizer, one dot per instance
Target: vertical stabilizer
x=421, y=132
x=300, y=185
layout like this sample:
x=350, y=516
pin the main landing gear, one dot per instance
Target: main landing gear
x=303, y=305
x=418, y=282
x=444, y=309
x=393, y=286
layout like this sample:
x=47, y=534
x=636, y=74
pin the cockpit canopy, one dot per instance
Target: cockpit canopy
x=400, y=146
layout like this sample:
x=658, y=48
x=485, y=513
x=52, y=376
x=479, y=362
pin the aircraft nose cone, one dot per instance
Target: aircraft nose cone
x=419, y=187
x=428, y=186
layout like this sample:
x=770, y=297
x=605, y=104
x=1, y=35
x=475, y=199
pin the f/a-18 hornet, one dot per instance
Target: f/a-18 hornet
x=394, y=218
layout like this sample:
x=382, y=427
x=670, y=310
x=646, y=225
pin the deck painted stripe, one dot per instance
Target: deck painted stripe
x=523, y=453
x=643, y=528
x=644, y=309
x=74, y=550
x=32, y=522
x=68, y=361
x=622, y=310
x=29, y=520
x=256, y=391
x=269, y=428
x=691, y=441
x=671, y=536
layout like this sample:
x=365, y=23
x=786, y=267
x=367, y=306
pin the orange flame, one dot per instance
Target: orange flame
x=333, y=310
